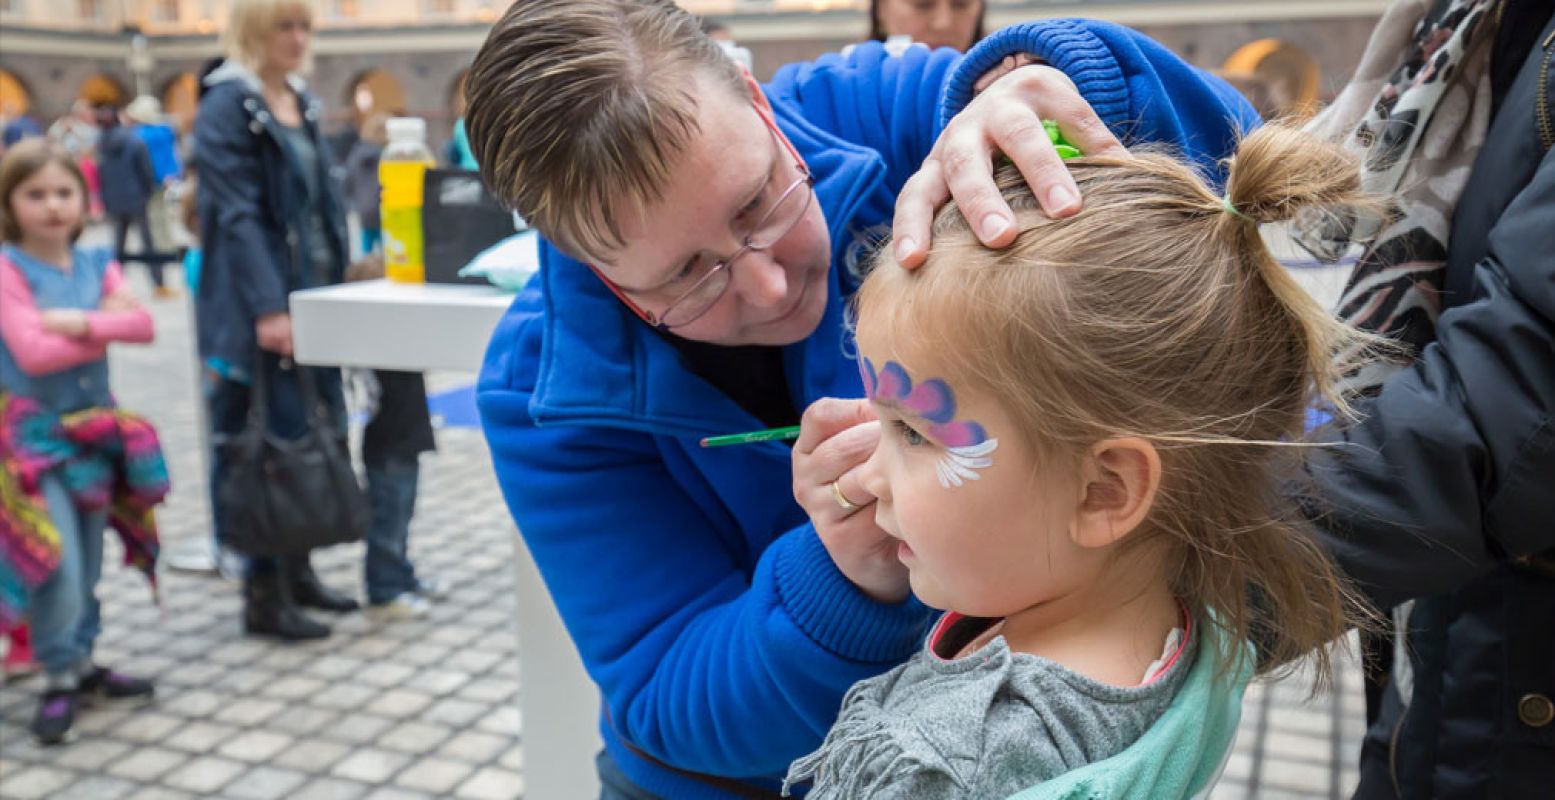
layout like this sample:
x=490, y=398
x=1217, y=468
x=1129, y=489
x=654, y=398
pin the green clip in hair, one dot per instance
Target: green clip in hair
x=1065, y=150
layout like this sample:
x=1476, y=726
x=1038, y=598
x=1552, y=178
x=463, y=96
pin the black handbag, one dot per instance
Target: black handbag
x=280, y=496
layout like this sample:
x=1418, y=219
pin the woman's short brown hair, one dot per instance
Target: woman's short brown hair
x=578, y=110
x=21, y=162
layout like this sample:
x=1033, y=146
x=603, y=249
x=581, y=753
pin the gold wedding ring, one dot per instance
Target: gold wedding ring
x=836, y=492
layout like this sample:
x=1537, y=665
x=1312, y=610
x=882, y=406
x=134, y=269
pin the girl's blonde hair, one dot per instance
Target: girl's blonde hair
x=21, y=162
x=1158, y=312
x=250, y=24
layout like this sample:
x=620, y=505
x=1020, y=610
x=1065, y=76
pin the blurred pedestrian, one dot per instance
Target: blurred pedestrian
x=361, y=185
x=957, y=24
x=128, y=181
x=162, y=145
x=69, y=458
x=77, y=131
x=458, y=153
x=271, y=223
x=399, y=430
x=23, y=127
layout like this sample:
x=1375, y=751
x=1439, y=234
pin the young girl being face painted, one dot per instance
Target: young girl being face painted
x=1082, y=437
x=1086, y=423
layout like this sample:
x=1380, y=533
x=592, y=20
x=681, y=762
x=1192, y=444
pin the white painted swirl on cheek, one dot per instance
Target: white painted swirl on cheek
x=960, y=464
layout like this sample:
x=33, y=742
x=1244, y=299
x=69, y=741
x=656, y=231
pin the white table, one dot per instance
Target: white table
x=385, y=325
x=423, y=327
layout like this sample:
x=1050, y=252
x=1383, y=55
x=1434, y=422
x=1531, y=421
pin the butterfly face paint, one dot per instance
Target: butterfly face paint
x=967, y=446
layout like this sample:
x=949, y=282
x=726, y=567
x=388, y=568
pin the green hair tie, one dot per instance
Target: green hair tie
x=1225, y=203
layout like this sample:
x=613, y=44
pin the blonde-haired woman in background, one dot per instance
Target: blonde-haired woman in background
x=270, y=223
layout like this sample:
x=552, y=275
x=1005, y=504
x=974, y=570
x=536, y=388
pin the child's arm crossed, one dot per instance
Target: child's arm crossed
x=120, y=318
x=38, y=349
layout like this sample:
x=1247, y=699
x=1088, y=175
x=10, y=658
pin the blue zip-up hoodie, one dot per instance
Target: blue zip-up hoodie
x=702, y=602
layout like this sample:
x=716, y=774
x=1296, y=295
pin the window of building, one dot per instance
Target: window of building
x=439, y=7
x=346, y=8
x=167, y=10
x=89, y=9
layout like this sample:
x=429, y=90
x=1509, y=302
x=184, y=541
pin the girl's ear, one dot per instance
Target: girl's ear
x=1119, y=482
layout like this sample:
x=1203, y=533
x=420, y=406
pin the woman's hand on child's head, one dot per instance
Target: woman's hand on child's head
x=70, y=322
x=836, y=437
x=274, y=332
x=1006, y=117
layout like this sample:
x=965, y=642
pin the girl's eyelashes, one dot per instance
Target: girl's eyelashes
x=909, y=434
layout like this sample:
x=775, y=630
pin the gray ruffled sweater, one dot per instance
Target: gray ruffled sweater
x=983, y=725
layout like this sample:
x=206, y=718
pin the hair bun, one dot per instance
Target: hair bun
x=1278, y=171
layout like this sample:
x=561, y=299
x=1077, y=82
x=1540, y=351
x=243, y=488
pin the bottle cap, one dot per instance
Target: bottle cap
x=406, y=128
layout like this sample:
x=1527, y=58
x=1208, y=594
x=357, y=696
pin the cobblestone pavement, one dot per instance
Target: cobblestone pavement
x=404, y=709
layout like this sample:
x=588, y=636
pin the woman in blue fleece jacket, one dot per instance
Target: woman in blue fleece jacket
x=701, y=597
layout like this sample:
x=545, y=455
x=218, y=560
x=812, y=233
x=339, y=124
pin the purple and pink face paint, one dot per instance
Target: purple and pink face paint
x=967, y=446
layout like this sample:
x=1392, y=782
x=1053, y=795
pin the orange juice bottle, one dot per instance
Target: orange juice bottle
x=401, y=173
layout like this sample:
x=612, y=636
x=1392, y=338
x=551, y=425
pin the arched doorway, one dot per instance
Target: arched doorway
x=15, y=100
x=1281, y=78
x=103, y=90
x=181, y=98
x=375, y=91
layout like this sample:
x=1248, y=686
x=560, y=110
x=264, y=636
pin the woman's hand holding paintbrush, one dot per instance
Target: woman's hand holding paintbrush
x=836, y=437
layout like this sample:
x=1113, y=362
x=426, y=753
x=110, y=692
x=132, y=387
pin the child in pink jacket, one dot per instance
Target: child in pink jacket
x=69, y=457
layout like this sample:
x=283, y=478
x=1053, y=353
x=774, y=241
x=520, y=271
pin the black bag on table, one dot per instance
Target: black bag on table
x=280, y=496
x=460, y=218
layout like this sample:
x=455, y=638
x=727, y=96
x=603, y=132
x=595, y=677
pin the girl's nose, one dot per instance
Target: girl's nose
x=873, y=478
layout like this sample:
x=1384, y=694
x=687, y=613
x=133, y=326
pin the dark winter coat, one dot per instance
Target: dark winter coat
x=124, y=165
x=1448, y=494
x=254, y=206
